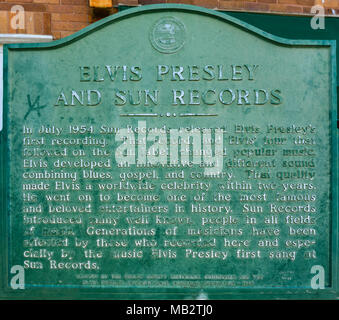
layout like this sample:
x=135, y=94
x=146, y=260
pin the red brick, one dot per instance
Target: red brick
x=254, y=6
x=127, y=2
x=68, y=26
x=180, y=1
x=67, y=9
x=230, y=5
x=267, y=1
x=287, y=2
x=307, y=9
x=76, y=2
x=75, y=17
x=47, y=1
x=3, y=22
x=151, y=1
x=38, y=23
x=285, y=8
x=206, y=3
x=32, y=7
x=328, y=3
x=29, y=22
x=64, y=34
x=242, y=0
x=305, y=2
x=47, y=22
x=19, y=2
x=56, y=35
x=332, y=6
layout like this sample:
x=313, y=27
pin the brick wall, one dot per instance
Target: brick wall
x=271, y=6
x=61, y=18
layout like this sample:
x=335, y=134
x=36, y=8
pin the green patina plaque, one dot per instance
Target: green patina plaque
x=169, y=152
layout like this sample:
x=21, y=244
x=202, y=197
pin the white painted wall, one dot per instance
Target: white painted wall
x=15, y=38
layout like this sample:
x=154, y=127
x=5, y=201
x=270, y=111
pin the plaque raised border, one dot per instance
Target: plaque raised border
x=165, y=293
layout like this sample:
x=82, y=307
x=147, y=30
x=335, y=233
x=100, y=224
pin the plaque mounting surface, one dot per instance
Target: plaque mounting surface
x=166, y=152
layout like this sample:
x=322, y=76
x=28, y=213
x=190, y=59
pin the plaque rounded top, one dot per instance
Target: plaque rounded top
x=167, y=35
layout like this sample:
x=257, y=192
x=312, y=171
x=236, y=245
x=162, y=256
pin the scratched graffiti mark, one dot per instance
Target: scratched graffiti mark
x=33, y=107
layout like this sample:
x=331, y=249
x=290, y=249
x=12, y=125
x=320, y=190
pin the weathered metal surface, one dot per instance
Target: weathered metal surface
x=171, y=152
